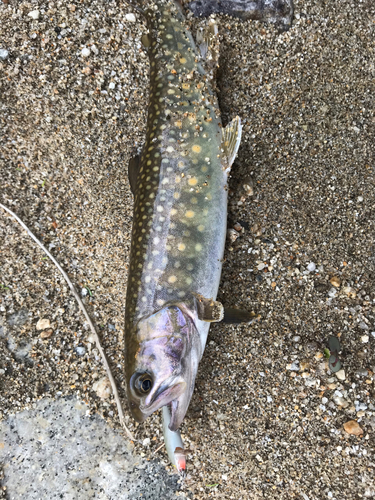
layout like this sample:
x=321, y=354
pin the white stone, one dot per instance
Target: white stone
x=146, y=442
x=4, y=54
x=34, y=14
x=130, y=17
x=341, y=374
x=85, y=52
x=103, y=388
x=112, y=85
x=73, y=452
x=94, y=49
x=43, y=324
x=311, y=267
x=364, y=339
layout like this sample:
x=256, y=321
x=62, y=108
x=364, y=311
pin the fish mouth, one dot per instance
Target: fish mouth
x=160, y=398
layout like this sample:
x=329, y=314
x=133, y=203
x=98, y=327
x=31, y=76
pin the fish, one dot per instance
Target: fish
x=180, y=187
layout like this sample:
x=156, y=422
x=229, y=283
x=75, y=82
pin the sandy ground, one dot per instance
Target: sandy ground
x=266, y=419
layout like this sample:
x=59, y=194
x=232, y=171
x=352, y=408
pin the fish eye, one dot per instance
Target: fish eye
x=143, y=383
x=146, y=385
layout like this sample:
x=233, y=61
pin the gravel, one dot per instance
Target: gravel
x=301, y=189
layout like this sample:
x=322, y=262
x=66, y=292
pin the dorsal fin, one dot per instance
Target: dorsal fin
x=231, y=139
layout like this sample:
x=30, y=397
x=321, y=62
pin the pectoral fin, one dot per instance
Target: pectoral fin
x=235, y=316
x=214, y=311
x=208, y=309
x=133, y=170
x=231, y=139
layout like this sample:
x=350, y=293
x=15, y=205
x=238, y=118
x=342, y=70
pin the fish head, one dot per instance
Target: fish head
x=165, y=365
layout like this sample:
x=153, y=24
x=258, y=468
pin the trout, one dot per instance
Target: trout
x=179, y=184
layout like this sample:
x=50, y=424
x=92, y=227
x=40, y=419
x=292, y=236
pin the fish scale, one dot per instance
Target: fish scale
x=179, y=223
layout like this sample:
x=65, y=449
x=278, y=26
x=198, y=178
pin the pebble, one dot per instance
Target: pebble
x=364, y=339
x=130, y=17
x=352, y=427
x=341, y=374
x=146, y=442
x=294, y=366
x=340, y=401
x=102, y=388
x=85, y=52
x=80, y=350
x=43, y=324
x=46, y=334
x=34, y=14
x=112, y=85
x=311, y=267
x=335, y=281
x=232, y=235
x=4, y=54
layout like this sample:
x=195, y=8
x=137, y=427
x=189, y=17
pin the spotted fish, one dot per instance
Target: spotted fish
x=180, y=207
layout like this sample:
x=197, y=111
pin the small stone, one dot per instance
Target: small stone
x=296, y=338
x=352, y=427
x=103, y=388
x=94, y=49
x=304, y=365
x=341, y=374
x=294, y=366
x=311, y=267
x=361, y=413
x=261, y=266
x=360, y=199
x=85, y=52
x=237, y=226
x=332, y=386
x=86, y=71
x=130, y=17
x=232, y=235
x=112, y=85
x=340, y=401
x=84, y=292
x=34, y=14
x=46, y=334
x=364, y=339
x=318, y=355
x=4, y=54
x=80, y=351
x=248, y=186
x=146, y=442
x=43, y=324
x=349, y=291
x=335, y=281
